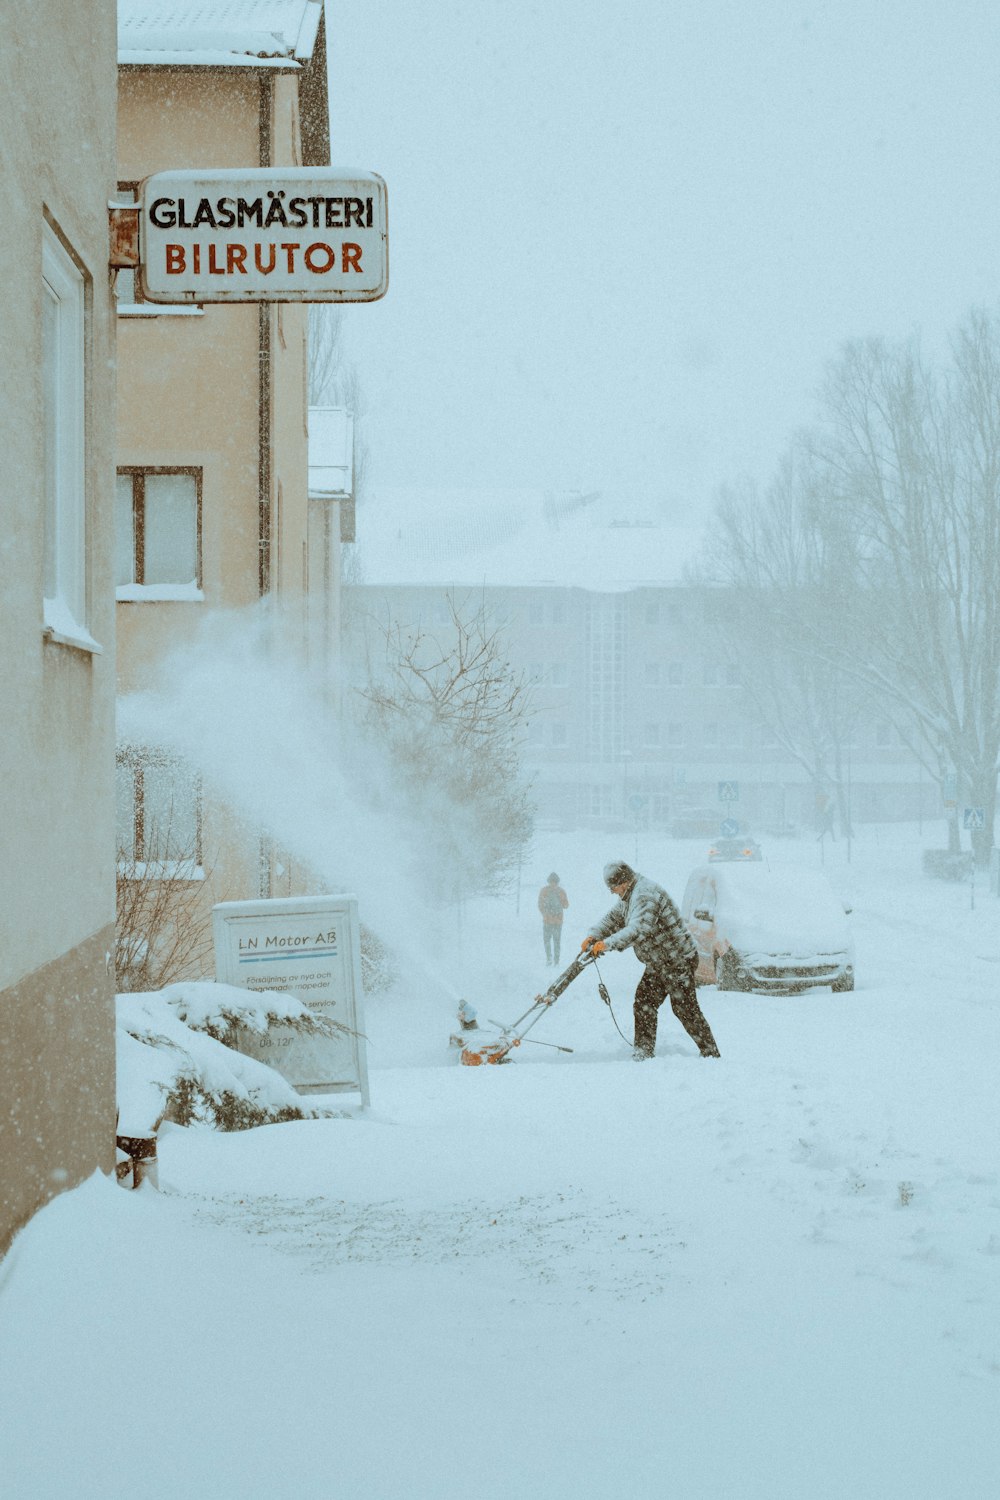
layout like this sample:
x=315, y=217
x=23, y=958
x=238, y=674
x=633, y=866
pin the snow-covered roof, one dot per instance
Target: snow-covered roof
x=217, y=33
x=516, y=538
x=331, y=453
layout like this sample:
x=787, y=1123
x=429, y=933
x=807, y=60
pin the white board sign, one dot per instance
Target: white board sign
x=309, y=947
x=264, y=234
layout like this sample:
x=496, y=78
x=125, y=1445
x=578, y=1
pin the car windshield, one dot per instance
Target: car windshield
x=797, y=907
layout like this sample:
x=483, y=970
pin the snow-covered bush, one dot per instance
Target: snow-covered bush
x=175, y=1061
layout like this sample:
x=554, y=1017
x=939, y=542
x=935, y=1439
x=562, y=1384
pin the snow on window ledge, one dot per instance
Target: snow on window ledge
x=160, y=869
x=159, y=310
x=159, y=593
x=60, y=626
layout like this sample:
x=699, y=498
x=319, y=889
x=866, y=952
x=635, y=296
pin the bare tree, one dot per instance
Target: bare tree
x=906, y=488
x=768, y=618
x=870, y=570
x=451, y=711
x=163, y=927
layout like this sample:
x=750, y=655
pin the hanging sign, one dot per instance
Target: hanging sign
x=288, y=234
x=309, y=947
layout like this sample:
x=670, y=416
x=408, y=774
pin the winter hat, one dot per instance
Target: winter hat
x=618, y=873
x=553, y=880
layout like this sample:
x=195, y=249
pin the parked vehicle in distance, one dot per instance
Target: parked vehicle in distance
x=745, y=848
x=776, y=932
x=695, y=823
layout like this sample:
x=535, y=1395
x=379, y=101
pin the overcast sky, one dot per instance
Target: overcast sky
x=625, y=238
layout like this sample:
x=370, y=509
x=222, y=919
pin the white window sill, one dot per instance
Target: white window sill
x=160, y=869
x=159, y=593
x=159, y=310
x=60, y=627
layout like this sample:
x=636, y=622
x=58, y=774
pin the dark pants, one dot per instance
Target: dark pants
x=552, y=933
x=653, y=989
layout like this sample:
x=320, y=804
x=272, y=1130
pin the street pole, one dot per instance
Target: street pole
x=626, y=757
x=850, y=806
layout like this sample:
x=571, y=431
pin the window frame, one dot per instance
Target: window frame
x=65, y=387
x=135, y=865
x=139, y=474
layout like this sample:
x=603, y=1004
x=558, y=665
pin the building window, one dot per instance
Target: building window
x=536, y=612
x=652, y=614
x=158, y=530
x=651, y=736
x=158, y=806
x=559, y=734
x=733, y=678
x=63, y=404
x=675, y=674
x=711, y=735
x=676, y=734
x=558, y=613
x=600, y=801
x=710, y=674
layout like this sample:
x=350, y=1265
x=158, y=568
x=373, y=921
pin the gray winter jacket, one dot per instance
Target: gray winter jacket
x=648, y=921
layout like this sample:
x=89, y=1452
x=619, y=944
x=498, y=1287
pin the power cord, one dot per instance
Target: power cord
x=602, y=990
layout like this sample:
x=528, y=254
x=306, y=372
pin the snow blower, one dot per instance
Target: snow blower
x=475, y=1052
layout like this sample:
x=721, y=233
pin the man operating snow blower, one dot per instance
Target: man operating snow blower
x=645, y=918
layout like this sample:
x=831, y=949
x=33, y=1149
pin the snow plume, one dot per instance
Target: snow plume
x=248, y=716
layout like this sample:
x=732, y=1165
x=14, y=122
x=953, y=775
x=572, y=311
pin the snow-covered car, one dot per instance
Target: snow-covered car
x=761, y=929
x=738, y=848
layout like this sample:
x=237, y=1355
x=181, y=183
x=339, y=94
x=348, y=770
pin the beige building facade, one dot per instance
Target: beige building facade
x=57, y=126
x=213, y=508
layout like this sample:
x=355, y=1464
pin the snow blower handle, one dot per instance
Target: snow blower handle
x=566, y=978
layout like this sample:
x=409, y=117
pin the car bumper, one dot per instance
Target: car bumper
x=768, y=973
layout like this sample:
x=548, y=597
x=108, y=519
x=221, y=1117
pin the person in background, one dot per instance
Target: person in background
x=552, y=902
x=644, y=917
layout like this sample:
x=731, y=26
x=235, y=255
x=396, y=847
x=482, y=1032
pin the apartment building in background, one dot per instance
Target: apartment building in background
x=57, y=668
x=638, y=714
x=213, y=488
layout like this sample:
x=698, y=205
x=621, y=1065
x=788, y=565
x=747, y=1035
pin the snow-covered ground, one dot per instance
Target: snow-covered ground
x=771, y=1276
